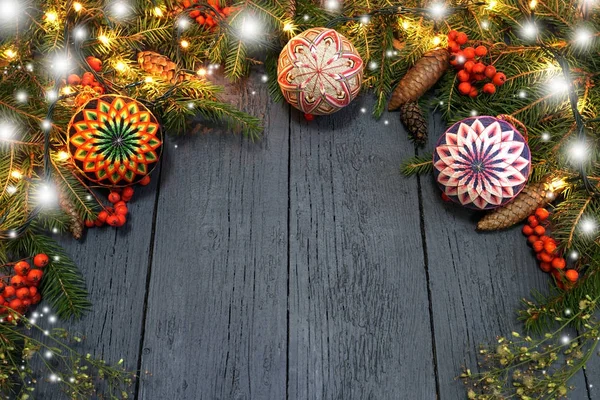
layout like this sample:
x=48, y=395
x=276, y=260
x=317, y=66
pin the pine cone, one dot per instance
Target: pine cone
x=76, y=224
x=412, y=117
x=420, y=78
x=531, y=197
x=159, y=65
x=290, y=10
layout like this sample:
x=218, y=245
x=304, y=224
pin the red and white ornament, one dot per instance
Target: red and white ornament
x=482, y=162
x=319, y=71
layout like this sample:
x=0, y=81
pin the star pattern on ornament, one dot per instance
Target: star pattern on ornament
x=114, y=140
x=320, y=71
x=482, y=162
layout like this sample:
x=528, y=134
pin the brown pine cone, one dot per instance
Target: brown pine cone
x=412, y=117
x=290, y=10
x=158, y=65
x=420, y=78
x=75, y=223
x=531, y=197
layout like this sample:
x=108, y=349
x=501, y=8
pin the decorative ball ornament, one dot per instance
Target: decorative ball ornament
x=319, y=71
x=114, y=140
x=482, y=162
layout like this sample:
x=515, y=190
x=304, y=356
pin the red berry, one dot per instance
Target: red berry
x=499, y=79
x=112, y=220
x=479, y=68
x=127, y=192
x=41, y=260
x=572, y=275
x=453, y=46
x=546, y=267
x=542, y=214
x=474, y=92
x=26, y=302
x=479, y=77
x=89, y=223
x=94, y=63
x=469, y=66
x=464, y=88
x=559, y=263
x=73, y=79
x=102, y=215
x=8, y=292
x=98, y=223
x=469, y=53
x=461, y=38
x=309, y=117
x=489, y=88
x=22, y=268
x=121, y=219
x=121, y=210
x=490, y=71
x=18, y=281
x=36, y=299
x=463, y=76
x=527, y=230
x=15, y=304
x=452, y=34
x=549, y=247
x=114, y=197
x=538, y=246
x=145, y=180
x=532, y=221
x=22, y=293
x=546, y=257
x=35, y=276
x=533, y=238
x=539, y=230
x=480, y=51
x=32, y=291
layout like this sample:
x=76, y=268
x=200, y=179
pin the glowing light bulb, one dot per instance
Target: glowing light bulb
x=485, y=24
x=264, y=78
x=120, y=66
x=583, y=36
x=529, y=30
x=7, y=130
x=46, y=124
x=77, y=6
x=436, y=40
x=405, y=25
x=183, y=23
x=438, y=10
x=522, y=94
x=578, y=151
x=373, y=65
x=249, y=28
x=21, y=96
x=62, y=155
x=120, y=9
x=16, y=174
x=184, y=44
x=9, y=9
x=51, y=16
x=11, y=189
x=51, y=95
x=158, y=12
x=332, y=5
x=148, y=79
x=46, y=195
x=565, y=339
x=558, y=85
x=67, y=90
x=492, y=4
x=365, y=19
x=288, y=27
x=588, y=226
x=545, y=136
x=10, y=53
x=202, y=71
x=61, y=63
x=104, y=40
x=533, y=4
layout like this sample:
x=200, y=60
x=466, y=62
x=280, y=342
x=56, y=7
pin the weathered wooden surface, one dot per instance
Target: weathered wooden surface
x=303, y=266
x=359, y=319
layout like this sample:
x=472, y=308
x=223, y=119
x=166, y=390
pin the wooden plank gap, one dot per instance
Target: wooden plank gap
x=289, y=260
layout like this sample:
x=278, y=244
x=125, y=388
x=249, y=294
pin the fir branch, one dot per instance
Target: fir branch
x=417, y=165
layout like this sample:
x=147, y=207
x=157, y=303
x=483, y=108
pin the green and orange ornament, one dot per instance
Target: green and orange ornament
x=114, y=141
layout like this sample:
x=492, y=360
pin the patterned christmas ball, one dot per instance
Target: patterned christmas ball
x=114, y=140
x=482, y=162
x=319, y=71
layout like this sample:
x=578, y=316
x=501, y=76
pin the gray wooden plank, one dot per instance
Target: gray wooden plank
x=592, y=373
x=114, y=263
x=216, y=319
x=477, y=281
x=359, y=317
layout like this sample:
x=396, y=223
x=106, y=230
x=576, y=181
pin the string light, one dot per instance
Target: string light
x=522, y=94
x=62, y=155
x=545, y=136
x=16, y=174
x=51, y=95
x=264, y=78
x=332, y=5
x=7, y=130
x=10, y=53
x=492, y=4
x=61, y=63
x=533, y=4
x=9, y=10
x=363, y=110
x=77, y=6
x=158, y=11
x=21, y=96
x=288, y=27
x=148, y=79
x=437, y=10
x=12, y=234
x=306, y=17
x=573, y=255
x=45, y=195
x=373, y=65
x=578, y=151
x=67, y=90
x=583, y=37
x=184, y=44
x=80, y=33
x=558, y=85
x=588, y=226
x=565, y=339
x=121, y=66
x=11, y=189
x=529, y=30
x=365, y=19
x=249, y=28
x=436, y=40
x=46, y=124
x=183, y=23
x=120, y=9
x=51, y=16
x=104, y=40
x=485, y=24
x=201, y=72
x=405, y=25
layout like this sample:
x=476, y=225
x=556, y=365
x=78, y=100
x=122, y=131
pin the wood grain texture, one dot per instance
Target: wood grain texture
x=114, y=263
x=477, y=281
x=216, y=318
x=359, y=318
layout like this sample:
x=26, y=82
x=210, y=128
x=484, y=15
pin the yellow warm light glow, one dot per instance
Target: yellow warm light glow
x=16, y=174
x=436, y=40
x=288, y=27
x=120, y=66
x=77, y=6
x=67, y=90
x=158, y=12
x=184, y=44
x=406, y=25
x=492, y=4
x=557, y=184
x=533, y=4
x=202, y=71
x=10, y=53
x=62, y=155
x=51, y=16
x=148, y=79
x=104, y=39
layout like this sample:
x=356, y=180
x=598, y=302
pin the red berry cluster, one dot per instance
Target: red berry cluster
x=546, y=251
x=471, y=68
x=21, y=290
x=208, y=19
x=117, y=214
